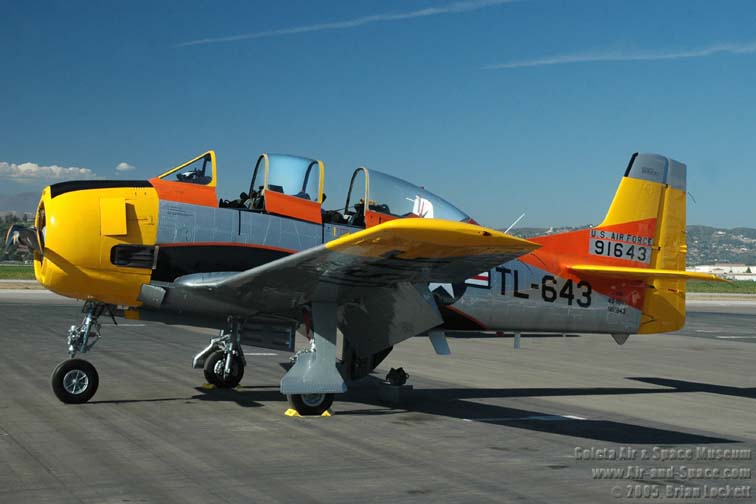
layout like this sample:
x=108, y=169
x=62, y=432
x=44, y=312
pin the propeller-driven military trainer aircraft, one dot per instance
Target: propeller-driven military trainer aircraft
x=397, y=261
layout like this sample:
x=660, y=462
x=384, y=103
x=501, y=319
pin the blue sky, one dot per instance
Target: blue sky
x=500, y=107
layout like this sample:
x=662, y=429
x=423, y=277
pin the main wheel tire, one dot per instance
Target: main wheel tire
x=214, y=366
x=310, y=404
x=75, y=381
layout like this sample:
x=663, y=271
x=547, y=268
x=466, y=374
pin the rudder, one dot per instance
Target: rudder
x=652, y=196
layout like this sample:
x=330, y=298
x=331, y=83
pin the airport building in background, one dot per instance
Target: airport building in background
x=730, y=271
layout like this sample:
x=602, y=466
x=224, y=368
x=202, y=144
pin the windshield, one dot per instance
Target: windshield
x=394, y=196
x=197, y=171
x=293, y=175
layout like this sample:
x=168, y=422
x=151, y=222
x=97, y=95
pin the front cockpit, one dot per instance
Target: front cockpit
x=191, y=182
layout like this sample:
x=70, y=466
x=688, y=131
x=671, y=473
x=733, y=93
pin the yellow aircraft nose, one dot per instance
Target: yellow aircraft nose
x=86, y=229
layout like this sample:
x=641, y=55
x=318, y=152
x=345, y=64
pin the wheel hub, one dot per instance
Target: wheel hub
x=313, y=400
x=75, y=381
x=220, y=368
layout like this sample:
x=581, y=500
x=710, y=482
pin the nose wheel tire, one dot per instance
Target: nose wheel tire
x=75, y=381
x=214, y=370
x=310, y=404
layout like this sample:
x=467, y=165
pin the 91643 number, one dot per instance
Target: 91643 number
x=620, y=250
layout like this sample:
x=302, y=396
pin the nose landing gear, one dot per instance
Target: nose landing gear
x=75, y=381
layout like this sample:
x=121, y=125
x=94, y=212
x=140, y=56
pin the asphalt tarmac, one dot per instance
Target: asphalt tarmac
x=487, y=424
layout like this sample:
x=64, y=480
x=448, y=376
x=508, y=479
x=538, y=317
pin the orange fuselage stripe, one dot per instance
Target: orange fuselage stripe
x=183, y=192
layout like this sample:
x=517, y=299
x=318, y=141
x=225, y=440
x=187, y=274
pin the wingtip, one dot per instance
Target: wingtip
x=484, y=231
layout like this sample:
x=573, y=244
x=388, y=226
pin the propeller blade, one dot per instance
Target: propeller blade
x=21, y=235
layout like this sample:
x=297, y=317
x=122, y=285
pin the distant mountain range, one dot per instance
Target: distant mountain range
x=708, y=245
x=19, y=203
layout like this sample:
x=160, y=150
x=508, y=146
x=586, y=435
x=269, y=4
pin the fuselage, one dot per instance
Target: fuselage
x=85, y=258
x=105, y=240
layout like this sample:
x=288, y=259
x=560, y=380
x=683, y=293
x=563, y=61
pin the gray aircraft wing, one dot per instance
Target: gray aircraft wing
x=370, y=275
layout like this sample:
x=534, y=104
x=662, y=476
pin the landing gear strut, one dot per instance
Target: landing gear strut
x=313, y=379
x=75, y=381
x=223, y=358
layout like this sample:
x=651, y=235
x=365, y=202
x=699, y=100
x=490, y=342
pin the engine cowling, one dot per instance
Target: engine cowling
x=97, y=239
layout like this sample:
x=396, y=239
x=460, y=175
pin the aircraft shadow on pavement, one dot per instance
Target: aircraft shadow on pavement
x=243, y=396
x=688, y=386
x=456, y=403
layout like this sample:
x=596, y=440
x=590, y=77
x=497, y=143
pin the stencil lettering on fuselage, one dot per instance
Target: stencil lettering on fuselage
x=548, y=288
x=527, y=298
x=625, y=246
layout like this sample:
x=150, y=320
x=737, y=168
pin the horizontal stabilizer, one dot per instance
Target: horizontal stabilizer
x=644, y=273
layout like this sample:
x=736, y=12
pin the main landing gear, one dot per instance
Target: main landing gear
x=75, y=381
x=223, y=358
x=309, y=385
x=310, y=404
x=313, y=379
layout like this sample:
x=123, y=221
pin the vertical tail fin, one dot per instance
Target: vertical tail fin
x=636, y=256
x=650, y=203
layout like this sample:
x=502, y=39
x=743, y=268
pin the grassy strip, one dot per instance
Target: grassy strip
x=736, y=287
x=16, y=273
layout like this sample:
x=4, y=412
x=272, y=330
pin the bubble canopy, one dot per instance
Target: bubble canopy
x=389, y=195
x=290, y=175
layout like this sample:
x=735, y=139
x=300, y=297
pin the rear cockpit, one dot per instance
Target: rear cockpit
x=389, y=198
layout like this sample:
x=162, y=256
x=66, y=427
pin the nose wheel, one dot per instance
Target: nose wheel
x=75, y=381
